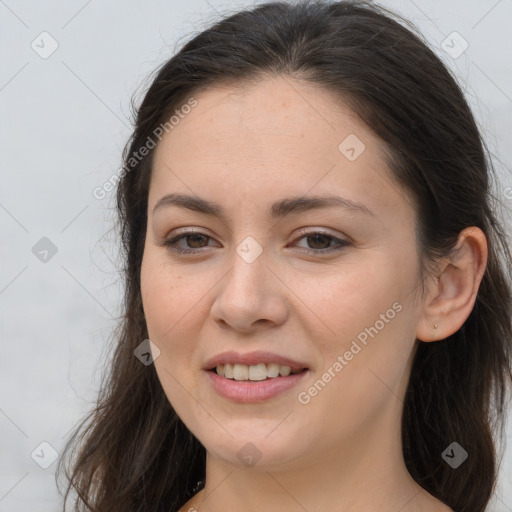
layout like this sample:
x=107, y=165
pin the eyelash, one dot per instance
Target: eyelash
x=171, y=242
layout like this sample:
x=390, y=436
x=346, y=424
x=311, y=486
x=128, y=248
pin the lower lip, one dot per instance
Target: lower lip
x=253, y=391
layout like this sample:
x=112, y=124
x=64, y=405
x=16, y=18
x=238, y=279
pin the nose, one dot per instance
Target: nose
x=250, y=296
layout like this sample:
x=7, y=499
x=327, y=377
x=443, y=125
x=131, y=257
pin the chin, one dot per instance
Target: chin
x=258, y=449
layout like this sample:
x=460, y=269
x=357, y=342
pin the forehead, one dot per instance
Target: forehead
x=251, y=112
x=253, y=141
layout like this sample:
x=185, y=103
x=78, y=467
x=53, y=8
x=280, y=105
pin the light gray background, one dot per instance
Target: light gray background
x=64, y=122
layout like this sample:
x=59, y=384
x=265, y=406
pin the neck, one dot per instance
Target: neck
x=367, y=473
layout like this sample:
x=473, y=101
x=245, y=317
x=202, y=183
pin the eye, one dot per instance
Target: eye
x=196, y=237
x=319, y=238
x=195, y=241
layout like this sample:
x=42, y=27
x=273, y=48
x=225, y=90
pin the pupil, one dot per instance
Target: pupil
x=195, y=237
x=316, y=237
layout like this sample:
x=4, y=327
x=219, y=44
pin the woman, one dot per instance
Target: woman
x=312, y=249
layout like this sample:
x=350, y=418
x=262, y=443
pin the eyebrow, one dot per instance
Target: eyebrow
x=276, y=210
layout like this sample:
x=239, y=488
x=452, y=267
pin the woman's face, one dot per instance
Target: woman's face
x=326, y=290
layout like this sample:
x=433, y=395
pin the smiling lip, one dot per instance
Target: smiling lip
x=252, y=391
x=252, y=358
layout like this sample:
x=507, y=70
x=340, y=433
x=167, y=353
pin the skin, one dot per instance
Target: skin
x=245, y=147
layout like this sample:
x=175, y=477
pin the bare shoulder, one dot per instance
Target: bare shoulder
x=442, y=507
x=188, y=507
x=192, y=504
x=439, y=507
x=426, y=502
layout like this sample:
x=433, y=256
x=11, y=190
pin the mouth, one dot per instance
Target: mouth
x=255, y=372
x=253, y=377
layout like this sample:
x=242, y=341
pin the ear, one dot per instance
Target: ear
x=450, y=297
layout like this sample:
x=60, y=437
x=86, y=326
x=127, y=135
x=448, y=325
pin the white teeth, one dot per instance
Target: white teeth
x=285, y=370
x=255, y=372
x=272, y=370
x=228, y=371
x=240, y=372
x=258, y=372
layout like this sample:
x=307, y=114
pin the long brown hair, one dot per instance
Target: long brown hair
x=132, y=452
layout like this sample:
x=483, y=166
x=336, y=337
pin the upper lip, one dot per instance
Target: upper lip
x=252, y=358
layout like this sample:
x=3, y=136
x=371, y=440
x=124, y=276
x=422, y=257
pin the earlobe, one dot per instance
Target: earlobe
x=451, y=296
x=429, y=330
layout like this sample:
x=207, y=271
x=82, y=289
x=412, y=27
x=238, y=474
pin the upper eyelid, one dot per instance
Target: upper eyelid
x=301, y=232
x=174, y=239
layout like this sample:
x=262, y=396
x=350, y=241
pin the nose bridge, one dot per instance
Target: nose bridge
x=247, y=293
x=247, y=277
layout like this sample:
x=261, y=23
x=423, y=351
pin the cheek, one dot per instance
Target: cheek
x=363, y=314
x=164, y=296
x=167, y=311
x=344, y=300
